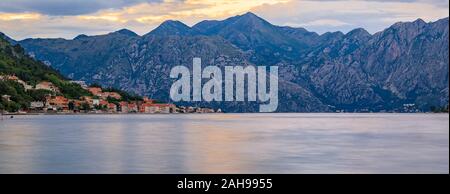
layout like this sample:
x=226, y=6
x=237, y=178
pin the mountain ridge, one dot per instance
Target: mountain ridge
x=355, y=71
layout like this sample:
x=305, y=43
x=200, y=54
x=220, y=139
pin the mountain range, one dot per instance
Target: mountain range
x=407, y=63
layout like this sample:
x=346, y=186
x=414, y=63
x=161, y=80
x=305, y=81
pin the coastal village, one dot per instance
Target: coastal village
x=99, y=102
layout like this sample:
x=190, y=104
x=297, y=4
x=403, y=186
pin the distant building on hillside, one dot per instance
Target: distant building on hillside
x=45, y=85
x=114, y=95
x=96, y=91
x=81, y=83
x=25, y=85
x=16, y=79
x=6, y=98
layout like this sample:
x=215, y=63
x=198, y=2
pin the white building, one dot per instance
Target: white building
x=81, y=83
x=47, y=86
x=95, y=102
x=36, y=104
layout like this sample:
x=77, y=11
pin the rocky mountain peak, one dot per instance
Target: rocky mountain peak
x=415, y=25
x=419, y=21
x=331, y=36
x=126, y=32
x=251, y=19
x=250, y=16
x=174, y=23
x=359, y=34
x=81, y=36
x=172, y=27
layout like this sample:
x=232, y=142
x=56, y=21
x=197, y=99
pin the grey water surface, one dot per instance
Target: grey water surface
x=226, y=143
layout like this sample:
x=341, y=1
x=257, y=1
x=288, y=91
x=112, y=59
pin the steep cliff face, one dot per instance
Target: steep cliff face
x=411, y=61
x=406, y=63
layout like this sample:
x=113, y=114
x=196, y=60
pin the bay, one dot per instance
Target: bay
x=226, y=143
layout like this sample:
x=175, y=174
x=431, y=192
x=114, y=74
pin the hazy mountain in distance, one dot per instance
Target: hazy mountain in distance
x=357, y=71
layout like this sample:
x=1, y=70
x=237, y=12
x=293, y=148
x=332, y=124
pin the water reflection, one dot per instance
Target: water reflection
x=226, y=143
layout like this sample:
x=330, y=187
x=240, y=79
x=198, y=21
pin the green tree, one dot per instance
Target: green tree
x=85, y=107
x=71, y=105
x=40, y=95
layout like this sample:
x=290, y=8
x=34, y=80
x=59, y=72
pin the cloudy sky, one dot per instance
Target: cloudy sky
x=68, y=18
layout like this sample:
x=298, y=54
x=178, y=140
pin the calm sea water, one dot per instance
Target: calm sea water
x=226, y=143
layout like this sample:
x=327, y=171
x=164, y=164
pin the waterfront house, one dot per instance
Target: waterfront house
x=207, y=110
x=95, y=102
x=36, y=105
x=148, y=100
x=167, y=108
x=103, y=103
x=182, y=109
x=123, y=107
x=143, y=107
x=132, y=107
x=112, y=108
x=58, y=102
x=190, y=109
x=158, y=108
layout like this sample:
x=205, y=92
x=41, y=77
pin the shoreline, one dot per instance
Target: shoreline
x=35, y=114
x=69, y=114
